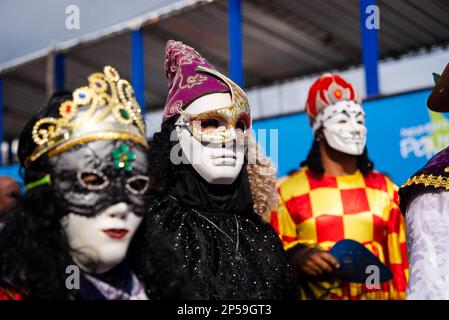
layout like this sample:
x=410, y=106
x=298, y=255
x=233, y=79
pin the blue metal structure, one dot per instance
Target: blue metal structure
x=370, y=45
x=138, y=67
x=59, y=72
x=235, y=41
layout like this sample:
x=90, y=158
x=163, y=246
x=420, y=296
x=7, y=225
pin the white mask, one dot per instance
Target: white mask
x=344, y=127
x=101, y=242
x=217, y=163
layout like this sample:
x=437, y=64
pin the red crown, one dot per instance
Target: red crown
x=327, y=90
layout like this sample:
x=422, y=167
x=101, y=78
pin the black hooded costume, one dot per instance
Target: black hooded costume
x=223, y=243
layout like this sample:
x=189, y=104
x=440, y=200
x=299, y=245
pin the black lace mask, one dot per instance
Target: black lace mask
x=94, y=176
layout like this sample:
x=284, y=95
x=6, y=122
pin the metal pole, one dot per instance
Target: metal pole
x=369, y=12
x=59, y=72
x=235, y=41
x=138, y=67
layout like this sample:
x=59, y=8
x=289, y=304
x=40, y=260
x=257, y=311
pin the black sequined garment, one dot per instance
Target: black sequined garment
x=223, y=263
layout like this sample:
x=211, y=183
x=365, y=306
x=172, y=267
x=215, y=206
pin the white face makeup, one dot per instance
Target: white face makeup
x=104, y=195
x=344, y=127
x=101, y=242
x=217, y=163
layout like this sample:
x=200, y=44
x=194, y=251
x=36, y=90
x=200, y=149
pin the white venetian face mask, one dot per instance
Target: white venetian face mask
x=344, y=127
x=216, y=162
x=103, y=187
x=101, y=242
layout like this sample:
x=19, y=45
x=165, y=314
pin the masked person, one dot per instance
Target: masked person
x=337, y=195
x=202, y=187
x=425, y=200
x=80, y=230
x=9, y=189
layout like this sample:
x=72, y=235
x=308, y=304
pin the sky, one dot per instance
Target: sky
x=27, y=26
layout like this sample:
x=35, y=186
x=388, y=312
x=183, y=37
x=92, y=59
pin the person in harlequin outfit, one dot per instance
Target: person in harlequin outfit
x=81, y=232
x=337, y=195
x=424, y=199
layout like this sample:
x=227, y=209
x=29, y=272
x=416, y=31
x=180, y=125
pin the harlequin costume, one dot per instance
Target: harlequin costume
x=317, y=211
x=425, y=198
x=225, y=246
x=84, y=163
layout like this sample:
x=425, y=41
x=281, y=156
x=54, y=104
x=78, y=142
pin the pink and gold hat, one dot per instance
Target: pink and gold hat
x=186, y=82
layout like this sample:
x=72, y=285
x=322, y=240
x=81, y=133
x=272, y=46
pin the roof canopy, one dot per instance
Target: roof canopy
x=282, y=39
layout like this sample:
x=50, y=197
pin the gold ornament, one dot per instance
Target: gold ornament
x=106, y=109
x=428, y=180
x=230, y=116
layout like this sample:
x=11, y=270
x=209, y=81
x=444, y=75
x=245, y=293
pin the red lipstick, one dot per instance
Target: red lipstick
x=116, y=233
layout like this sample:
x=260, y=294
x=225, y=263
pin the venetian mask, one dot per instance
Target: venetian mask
x=344, y=127
x=104, y=186
x=212, y=137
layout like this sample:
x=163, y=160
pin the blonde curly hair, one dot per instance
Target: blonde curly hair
x=262, y=178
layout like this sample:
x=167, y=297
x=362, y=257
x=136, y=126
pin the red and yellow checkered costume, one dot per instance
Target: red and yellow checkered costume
x=319, y=210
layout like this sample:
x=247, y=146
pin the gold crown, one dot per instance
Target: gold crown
x=104, y=110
